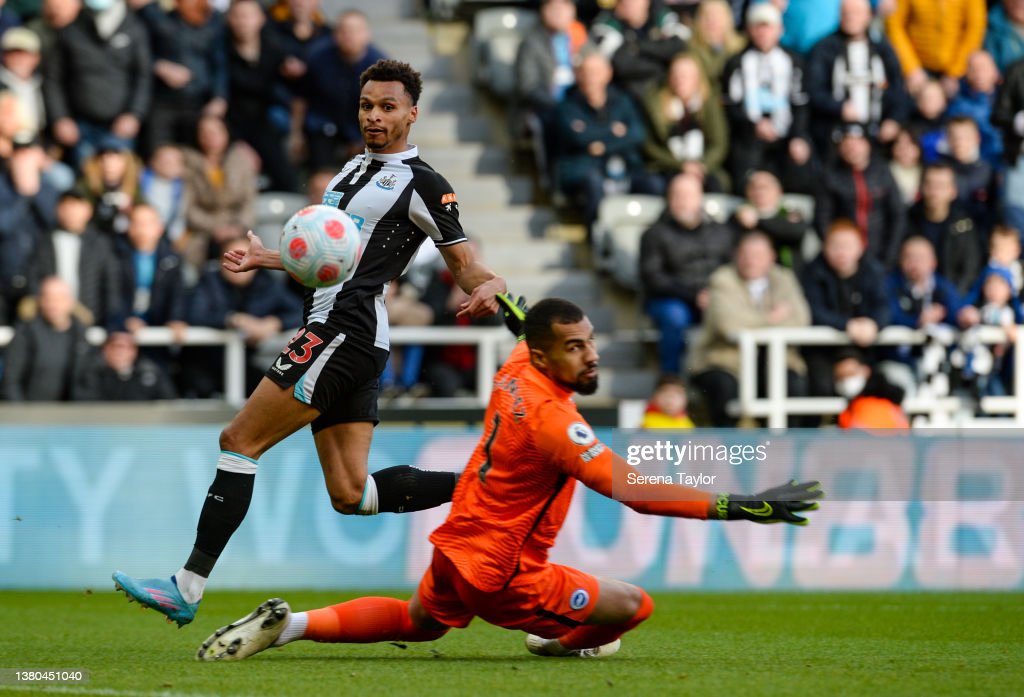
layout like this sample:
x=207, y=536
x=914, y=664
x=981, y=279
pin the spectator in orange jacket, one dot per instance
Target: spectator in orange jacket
x=936, y=37
x=874, y=402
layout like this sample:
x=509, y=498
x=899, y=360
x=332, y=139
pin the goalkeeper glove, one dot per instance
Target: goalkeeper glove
x=776, y=505
x=514, y=309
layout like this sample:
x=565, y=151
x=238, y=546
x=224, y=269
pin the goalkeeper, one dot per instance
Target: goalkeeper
x=491, y=554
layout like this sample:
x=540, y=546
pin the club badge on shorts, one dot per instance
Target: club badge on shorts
x=579, y=599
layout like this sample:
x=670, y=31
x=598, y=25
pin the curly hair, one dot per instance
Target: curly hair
x=386, y=70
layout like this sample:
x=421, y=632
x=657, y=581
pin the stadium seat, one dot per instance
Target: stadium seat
x=720, y=207
x=621, y=221
x=273, y=208
x=497, y=33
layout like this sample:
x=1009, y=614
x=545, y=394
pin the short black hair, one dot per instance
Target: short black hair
x=387, y=70
x=541, y=317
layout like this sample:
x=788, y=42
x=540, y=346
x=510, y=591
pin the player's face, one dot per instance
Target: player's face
x=386, y=113
x=572, y=359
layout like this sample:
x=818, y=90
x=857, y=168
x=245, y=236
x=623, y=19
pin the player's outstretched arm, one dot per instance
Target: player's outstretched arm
x=255, y=257
x=474, y=277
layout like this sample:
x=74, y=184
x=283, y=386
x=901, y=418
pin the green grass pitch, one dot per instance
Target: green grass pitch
x=745, y=644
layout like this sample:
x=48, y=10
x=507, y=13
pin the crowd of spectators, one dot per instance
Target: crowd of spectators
x=903, y=121
x=136, y=135
x=135, y=138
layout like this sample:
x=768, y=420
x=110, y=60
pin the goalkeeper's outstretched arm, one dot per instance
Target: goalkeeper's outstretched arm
x=780, y=504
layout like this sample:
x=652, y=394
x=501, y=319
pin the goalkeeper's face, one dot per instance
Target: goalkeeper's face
x=571, y=360
x=386, y=113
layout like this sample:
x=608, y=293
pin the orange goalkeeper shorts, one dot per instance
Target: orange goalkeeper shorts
x=548, y=601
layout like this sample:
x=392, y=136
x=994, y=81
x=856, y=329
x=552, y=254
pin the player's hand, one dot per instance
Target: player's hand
x=514, y=309
x=779, y=504
x=482, y=302
x=255, y=257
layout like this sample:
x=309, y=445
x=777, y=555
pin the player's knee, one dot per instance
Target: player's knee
x=231, y=440
x=636, y=604
x=346, y=499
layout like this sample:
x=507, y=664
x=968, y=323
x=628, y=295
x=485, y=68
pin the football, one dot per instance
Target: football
x=320, y=246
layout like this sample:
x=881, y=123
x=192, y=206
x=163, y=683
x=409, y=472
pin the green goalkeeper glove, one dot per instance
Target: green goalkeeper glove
x=776, y=505
x=514, y=309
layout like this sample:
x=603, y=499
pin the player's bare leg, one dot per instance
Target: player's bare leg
x=270, y=415
x=344, y=450
x=620, y=607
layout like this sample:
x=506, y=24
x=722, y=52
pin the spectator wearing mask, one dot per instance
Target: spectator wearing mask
x=47, y=353
x=873, y=401
x=120, y=374
x=678, y=254
x=97, y=81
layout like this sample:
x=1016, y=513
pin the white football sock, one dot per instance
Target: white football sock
x=190, y=584
x=295, y=628
x=368, y=504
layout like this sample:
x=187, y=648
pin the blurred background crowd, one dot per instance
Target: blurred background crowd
x=136, y=138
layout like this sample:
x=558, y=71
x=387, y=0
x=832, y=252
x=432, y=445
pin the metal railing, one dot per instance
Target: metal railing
x=488, y=340
x=777, y=405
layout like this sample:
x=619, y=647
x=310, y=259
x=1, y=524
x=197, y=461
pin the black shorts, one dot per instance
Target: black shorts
x=337, y=377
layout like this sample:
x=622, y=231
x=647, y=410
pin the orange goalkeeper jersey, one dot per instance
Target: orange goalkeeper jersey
x=514, y=494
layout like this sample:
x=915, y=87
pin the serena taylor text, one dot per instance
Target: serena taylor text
x=686, y=479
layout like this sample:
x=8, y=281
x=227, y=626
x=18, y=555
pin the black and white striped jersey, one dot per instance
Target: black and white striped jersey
x=397, y=200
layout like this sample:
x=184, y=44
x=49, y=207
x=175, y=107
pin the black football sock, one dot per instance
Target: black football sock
x=227, y=502
x=404, y=489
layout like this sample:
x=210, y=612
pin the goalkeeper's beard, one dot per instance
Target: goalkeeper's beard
x=582, y=385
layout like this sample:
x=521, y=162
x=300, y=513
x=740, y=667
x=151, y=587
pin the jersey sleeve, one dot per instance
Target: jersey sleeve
x=572, y=446
x=569, y=441
x=434, y=209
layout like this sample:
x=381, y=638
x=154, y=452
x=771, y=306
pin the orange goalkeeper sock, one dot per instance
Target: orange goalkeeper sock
x=591, y=636
x=365, y=621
